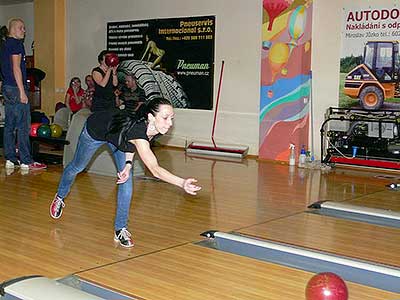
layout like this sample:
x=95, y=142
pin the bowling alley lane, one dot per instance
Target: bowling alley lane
x=195, y=272
x=348, y=238
x=385, y=199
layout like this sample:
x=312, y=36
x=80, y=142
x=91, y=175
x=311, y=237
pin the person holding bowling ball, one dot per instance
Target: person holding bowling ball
x=105, y=80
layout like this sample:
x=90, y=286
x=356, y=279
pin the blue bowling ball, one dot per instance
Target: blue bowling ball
x=44, y=120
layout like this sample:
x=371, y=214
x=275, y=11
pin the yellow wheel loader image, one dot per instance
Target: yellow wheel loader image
x=377, y=78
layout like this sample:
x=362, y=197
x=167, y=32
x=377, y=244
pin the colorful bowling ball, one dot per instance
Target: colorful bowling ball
x=44, y=120
x=44, y=131
x=111, y=59
x=56, y=130
x=326, y=286
x=34, y=128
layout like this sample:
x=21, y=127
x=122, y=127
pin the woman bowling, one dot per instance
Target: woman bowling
x=125, y=133
x=105, y=80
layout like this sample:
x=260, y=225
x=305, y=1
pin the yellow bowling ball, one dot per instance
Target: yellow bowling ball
x=56, y=130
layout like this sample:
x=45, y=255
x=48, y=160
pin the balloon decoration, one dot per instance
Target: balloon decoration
x=307, y=46
x=278, y=56
x=274, y=8
x=266, y=45
x=297, y=24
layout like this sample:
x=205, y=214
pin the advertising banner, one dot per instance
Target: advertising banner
x=172, y=58
x=369, y=64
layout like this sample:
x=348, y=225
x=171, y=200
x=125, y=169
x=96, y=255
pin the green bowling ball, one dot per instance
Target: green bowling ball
x=56, y=130
x=44, y=131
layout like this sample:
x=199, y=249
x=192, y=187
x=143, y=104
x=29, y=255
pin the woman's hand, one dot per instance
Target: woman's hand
x=190, y=187
x=114, y=75
x=123, y=176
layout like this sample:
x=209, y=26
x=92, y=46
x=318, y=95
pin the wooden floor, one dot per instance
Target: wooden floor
x=268, y=200
x=194, y=272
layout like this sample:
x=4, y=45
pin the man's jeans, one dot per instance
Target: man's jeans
x=16, y=124
x=86, y=148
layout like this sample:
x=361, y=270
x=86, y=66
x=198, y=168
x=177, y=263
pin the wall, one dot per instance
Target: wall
x=238, y=38
x=326, y=48
x=25, y=12
x=238, y=42
x=50, y=50
x=59, y=53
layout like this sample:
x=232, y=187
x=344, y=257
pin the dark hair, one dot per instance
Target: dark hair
x=124, y=120
x=59, y=105
x=3, y=32
x=101, y=55
x=72, y=80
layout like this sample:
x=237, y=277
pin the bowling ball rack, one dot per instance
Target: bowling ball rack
x=48, y=158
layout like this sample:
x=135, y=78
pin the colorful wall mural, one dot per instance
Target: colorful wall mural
x=285, y=77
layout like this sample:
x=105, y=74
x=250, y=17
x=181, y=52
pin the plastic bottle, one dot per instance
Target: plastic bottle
x=292, y=156
x=310, y=160
x=302, y=157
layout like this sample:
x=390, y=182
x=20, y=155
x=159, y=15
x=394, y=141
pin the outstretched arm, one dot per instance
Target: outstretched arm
x=123, y=176
x=150, y=160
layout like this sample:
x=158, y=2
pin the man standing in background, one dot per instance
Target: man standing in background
x=131, y=96
x=17, y=108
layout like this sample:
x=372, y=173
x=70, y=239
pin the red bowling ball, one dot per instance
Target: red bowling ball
x=326, y=286
x=111, y=59
x=34, y=128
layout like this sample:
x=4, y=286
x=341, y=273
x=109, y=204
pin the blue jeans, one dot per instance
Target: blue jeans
x=86, y=148
x=16, y=124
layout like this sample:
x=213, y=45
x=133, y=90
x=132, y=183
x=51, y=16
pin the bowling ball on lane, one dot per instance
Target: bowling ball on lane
x=326, y=286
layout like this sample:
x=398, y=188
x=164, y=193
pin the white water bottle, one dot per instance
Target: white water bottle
x=292, y=156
